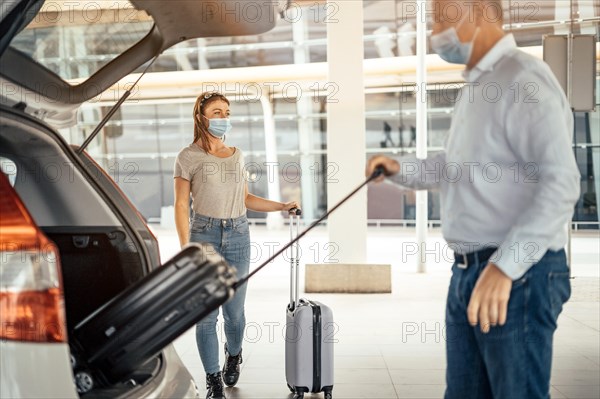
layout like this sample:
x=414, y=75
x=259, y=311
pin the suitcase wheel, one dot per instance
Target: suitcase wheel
x=298, y=393
x=292, y=390
x=328, y=395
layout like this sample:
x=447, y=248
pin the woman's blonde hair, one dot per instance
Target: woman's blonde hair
x=201, y=133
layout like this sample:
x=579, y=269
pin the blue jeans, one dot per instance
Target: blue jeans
x=231, y=239
x=511, y=361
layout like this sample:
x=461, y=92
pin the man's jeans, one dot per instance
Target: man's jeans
x=231, y=239
x=511, y=361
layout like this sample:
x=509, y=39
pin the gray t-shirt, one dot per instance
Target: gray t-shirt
x=217, y=184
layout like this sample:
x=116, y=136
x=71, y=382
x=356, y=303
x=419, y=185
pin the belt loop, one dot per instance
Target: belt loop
x=465, y=263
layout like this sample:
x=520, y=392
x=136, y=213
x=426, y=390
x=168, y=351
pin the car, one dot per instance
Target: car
x=70, y=240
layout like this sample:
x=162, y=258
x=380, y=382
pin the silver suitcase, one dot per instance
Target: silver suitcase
x=309, y=334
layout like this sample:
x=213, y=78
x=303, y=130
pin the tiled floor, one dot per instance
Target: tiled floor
x=392, y=345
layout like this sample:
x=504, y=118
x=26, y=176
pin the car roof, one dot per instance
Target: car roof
x=25, y=82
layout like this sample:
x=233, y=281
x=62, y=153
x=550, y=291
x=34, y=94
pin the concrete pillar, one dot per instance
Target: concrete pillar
x=346, y=144
x=422, y=206
x=595, y=127
x=274, y=219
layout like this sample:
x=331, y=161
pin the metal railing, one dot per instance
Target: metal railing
x=379, y=223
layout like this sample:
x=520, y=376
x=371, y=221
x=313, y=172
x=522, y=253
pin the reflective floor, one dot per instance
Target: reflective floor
x=392, y=345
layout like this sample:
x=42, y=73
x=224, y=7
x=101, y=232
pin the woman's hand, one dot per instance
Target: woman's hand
x=290, y=205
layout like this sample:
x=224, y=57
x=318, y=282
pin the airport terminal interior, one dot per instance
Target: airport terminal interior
x=286, y=65
x=289, y=89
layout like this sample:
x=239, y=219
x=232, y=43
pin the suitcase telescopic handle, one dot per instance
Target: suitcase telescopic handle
x=294, y=257
x=379, y=170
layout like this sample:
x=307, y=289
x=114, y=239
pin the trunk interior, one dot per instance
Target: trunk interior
x=97, y=264
x=99, y=258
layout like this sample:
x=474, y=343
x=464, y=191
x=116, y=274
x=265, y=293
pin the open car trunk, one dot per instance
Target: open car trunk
x=104, y=245
x=105, y=248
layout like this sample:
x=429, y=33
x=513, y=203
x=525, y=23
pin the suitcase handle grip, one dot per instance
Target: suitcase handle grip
x=295, y=211
x=379, y=170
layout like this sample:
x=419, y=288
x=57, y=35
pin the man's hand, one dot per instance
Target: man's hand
x=489, y=300
x=390, y=166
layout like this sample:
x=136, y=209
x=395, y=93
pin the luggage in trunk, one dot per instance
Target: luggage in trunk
x=137, y=324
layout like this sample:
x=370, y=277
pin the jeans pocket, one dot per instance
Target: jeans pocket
x=242, y=228
x=199, y=225
x=559, y=289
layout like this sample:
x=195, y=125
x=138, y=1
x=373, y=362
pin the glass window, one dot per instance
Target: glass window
x=175, y=127
x=316, y=16
x=391, y=120
x=290, y=176
x=318, y=53
x=76, y=39
x=389, y=26
x=142, y=140
x=286, y=133
x=587, y=154
x=274, y=47
x=380, y=27
x=319, y=134
x=247, y=134
x=245, y=57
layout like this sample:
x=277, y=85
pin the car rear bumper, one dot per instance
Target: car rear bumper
x=177, y=381
x=35, y=370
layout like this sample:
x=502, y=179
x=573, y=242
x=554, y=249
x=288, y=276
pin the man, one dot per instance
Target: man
x=508, y=182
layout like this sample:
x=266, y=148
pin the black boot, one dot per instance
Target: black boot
x=214, y=386
x=231, y=369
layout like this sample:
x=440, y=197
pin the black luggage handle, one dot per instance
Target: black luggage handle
x=295, y=211
x=379, y=170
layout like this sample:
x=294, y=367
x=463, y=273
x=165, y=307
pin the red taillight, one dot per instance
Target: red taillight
x=31, y=297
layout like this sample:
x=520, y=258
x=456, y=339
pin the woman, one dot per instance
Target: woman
x=212, y=173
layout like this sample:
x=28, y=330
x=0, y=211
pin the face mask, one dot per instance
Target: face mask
x=218, y=127
x=449, y=47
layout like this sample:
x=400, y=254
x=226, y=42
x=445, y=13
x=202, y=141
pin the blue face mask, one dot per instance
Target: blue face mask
x=449, y=47
x=219, y=127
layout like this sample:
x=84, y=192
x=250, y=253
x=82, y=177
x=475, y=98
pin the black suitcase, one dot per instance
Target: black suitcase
x=137, y=324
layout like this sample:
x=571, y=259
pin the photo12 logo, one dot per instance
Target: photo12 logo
x=290, y=92
x=275, y=331
x=454, y=11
